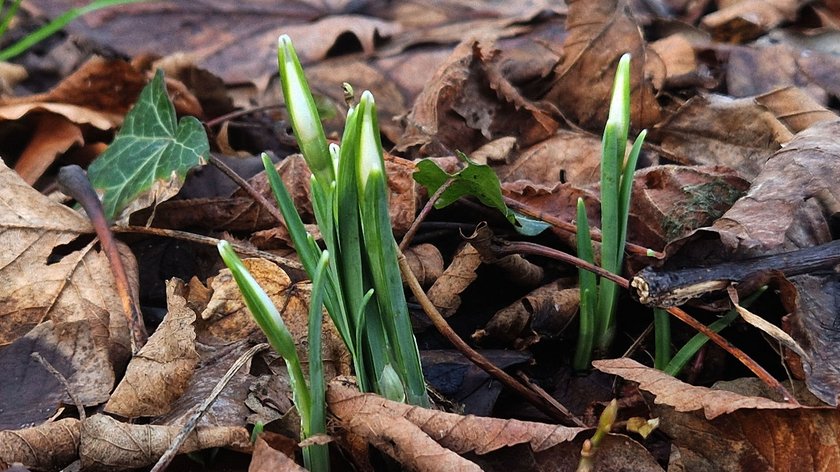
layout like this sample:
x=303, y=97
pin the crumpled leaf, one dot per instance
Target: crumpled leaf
x=50, y=446
x=158, y=374
x=445, y=293
x=108, y=444
x=149, y=159
x=458, y=433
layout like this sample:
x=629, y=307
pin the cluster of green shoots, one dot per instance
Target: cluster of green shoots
x=356, y=276
x=8, y=12
x=598, y=295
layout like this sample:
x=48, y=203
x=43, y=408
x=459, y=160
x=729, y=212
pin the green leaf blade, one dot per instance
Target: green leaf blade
x=149, y=159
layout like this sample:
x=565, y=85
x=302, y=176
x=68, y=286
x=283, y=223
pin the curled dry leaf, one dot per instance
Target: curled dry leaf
x=445, y=293
x=160, y=372
x=567, y=156
x=406, y=443
x=108, y=444
x=544, y=311
x=426, y=263
x=50, y=446
x=795, y=109
x=682, y=396
x=460, y=434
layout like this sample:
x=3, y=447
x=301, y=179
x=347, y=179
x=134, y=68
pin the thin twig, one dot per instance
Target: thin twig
x=236, y=114
x=248, y=188
x=409, y=235
x=74, y=182
x=191, y=423
x=571, y=228
x=471, y=354
x=748, y=362
x=569, y=415
x=63, y=380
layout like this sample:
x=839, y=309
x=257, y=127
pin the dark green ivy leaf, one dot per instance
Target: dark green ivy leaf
x=476, y=180
x=149, y=159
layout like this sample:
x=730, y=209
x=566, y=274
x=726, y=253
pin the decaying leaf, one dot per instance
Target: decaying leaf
x=458, y=433
x=50, y=446
x=747, y=19
x=158, y=374
x=682, y=396
x=445, y=292
x=268, y=457
x=426, y=263
x=107, y=443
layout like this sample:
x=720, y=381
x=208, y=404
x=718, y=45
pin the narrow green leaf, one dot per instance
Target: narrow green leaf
x=662, y=338
x=150, y=157
x=319, y=459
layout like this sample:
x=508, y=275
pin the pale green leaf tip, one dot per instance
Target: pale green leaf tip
x=369, y=159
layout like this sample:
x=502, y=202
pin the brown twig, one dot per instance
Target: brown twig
x=559, y=406
x=74, y=182
x=415, y=225
x=249, y=189
x=191, y=423
x=236, y=114
x=443, y=328
x=753, y=366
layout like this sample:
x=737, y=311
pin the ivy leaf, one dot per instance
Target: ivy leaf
x=475, y=180
x=150, y=156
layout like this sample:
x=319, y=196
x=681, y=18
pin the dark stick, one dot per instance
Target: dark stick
x=672, y=288
x=73, y=181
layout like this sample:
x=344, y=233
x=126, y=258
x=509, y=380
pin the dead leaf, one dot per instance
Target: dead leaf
x=744, y=20
x=426, y=263
x=616, y=452
x=31, y=395
x=801, y=440
x=268, y=457
x=406, y=443
x=445, y=292
x=795, y=109
x=158, y=374
x=458, y=433
x=53, y=136
x=591, y=56
x=719, y=130
x=108, y=444
x=567, y=156
x=682, y=396
x=38, y=282
x=50, y=446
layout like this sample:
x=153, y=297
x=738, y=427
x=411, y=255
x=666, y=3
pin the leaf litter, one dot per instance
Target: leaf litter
x=755, y=150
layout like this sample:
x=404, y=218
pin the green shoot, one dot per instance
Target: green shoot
x=50, y=28
x=308, y=401
x=363, y=289
x=598, y=295
x=662, y=334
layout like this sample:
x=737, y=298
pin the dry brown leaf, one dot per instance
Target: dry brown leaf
x=677, y=54
x=445, y=293
x=718, y=130
x=596, y=28
x=795, y=109
x=426, y=262
x=792, y=200
x=542, y=312
x=269, y=456
x=406, y=443
x=748, y=19
x=53, y=136
x=616, y=452
x=800, y=440
x=567, y=156
x=682, y=396
x=30, y=394
x=229, y=320
x=158, y=374
x=50, y=446
x=458, y=433
x=108, y=444
x=34, y=286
